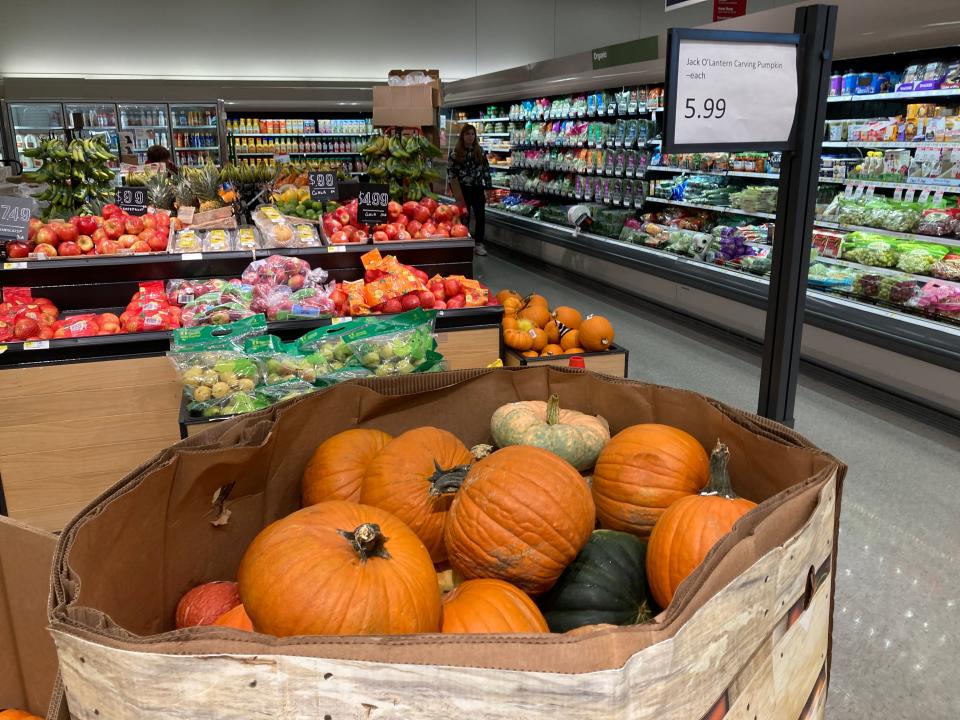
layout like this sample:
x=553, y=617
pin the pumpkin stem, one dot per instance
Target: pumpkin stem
x=553, y=409
x=368, y=541
x=481, y=450
x=449, y=480
x=719, y=477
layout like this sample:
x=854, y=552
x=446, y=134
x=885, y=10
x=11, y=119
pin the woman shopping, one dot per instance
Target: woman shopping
x=469, y=176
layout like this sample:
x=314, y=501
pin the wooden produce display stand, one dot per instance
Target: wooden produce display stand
x=79, y=414
x=614, y=361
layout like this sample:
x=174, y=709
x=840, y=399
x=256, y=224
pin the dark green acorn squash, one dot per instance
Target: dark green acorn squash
x=605, y=583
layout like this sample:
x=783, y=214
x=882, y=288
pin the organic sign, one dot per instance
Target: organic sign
x=624, y=53
x=132, y=200
x=14, y=217
x=372, y=199
x=323, y=185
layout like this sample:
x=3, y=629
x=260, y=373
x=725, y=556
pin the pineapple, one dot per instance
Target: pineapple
x=160, y=191
x=204, y=183
x=182, y=192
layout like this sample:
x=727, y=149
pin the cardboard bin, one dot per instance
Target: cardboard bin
x=750, y=628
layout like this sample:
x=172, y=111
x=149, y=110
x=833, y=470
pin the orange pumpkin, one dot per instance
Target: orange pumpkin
x=517, y=340
x=570, y=339
x=538, y=339
x=574, y=351
x=512, y=305
x=537, y=314
x=552, y=349
x=522, y=515
x=490, y=606
x=504, y=294
x=236, y=618
x=690, y=527
x=530, y=353
x=336, y=468
x=568, y=316
x=553, y=333
x=596, y=333
x=534, y=299
x=642, y=471
x=509, y=323
x=339, y=568
x=18, y=715
x=415, y=477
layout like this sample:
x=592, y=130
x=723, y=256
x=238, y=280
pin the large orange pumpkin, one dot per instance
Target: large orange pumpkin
x=339, y=568
x=570, y=339
x=596, y=334
x=236, y=618
x=203, y=604
x=691, y=526
x=641, y=471
x=490, y=606
x=568, y=316
x=337, y=466
x=415, y=477
x=18, y=715
x=534, y=299
x=522, y=515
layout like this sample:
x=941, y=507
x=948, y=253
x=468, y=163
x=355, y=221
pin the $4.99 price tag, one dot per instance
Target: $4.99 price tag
x=372, y=200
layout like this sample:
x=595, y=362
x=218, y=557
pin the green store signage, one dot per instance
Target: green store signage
x=625, y=53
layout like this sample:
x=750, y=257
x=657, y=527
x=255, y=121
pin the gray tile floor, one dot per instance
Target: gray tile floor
x=897, y=622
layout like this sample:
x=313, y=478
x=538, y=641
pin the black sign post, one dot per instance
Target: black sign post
x=762, y=91
x=132, y=200
x=323, y=185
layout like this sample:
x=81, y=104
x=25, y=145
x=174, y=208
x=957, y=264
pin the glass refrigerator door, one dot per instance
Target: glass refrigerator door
x=32, y=122
x=196, y=140
x=99, y=119
x=142, y=126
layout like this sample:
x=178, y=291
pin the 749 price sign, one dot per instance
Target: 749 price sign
x=132, y=200
x=323, y=185
x=14, y=218
x=372, y=200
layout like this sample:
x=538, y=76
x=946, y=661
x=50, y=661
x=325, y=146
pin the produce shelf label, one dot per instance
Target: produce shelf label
x=323, y=185
x=14, y=217
x=132, y=200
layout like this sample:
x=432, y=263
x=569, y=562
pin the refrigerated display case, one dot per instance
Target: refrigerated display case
x=196, y=134
x=143, y=125
x=98, y=119
x=30, y=122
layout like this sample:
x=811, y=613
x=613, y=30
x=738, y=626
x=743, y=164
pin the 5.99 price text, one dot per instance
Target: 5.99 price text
x=705, y=109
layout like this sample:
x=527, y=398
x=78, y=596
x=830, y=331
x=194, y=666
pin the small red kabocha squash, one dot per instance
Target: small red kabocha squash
x=641, y=471
x=337, y=467
x=205, y=603
x=691, y=526
x=415, y=477
x=236, y=618
x=490, y=606
x=339, y=568
x=522, y=515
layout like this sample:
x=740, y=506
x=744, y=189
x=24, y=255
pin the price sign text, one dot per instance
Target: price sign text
x=132, y=200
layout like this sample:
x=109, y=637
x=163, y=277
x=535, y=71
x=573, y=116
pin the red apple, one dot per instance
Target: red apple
x=342, y=216
x=402, y=222
x=457, y=301
x=391, y=230
x=410, y=301
x=330, y=226
x=149, y=221
x=98, y=235
x=427, y=299
x=451, y=288
x=111, y=210
x=441, y=214
x=439, y=305
x=381, y=236
x=45, y=249
x=392, y=306
x=359, y=237
x=438, y=291
x=68, y=248
x=459, y=231
x=108, y=247
x=139, y=246
x=421, y=214
x=86, y=225
x=46, y=333
x=85, y=242
x=34, y=225
x=67, y=232
x=403, y=235
x=17, y=250
x=157, y=242
x=414, y=226
x=47, y=235
x=393, y=210
x=113, y=228
x=340, y=238
x=25, y=328
x=133, y=224
x=126, y=241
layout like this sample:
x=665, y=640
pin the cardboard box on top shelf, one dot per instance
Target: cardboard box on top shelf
x=404, y=106
x=434, y=83
x=28, y=662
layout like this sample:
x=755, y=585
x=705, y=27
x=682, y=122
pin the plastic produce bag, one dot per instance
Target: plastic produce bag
x=918, y=257
x=220, y=307
x=396, y=345
x=187, y=241
x=327, y=343
x=283, y=270
x=280, y=362
x=218, y=241
x=182, y=291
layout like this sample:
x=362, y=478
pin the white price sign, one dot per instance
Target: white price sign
x=730, y=90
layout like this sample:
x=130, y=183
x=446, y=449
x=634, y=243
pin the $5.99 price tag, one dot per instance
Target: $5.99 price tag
x=323, y=185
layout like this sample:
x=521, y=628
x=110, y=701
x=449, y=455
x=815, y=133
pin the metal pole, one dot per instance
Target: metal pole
x=796, y=205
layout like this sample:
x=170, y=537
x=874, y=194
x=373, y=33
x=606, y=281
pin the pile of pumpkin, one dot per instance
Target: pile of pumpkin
x=419, y=533
x=533, y=330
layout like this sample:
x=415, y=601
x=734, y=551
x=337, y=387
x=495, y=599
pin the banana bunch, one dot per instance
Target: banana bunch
x=377, y=146
x=76, y=175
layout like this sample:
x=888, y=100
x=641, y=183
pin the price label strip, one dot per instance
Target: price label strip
x=132, y=200
x=323, y=185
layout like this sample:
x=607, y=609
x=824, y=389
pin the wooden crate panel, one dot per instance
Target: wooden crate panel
x=612, y=362
x=106, y=375
x=68, y=433
x=466, y=349
x=121, y=399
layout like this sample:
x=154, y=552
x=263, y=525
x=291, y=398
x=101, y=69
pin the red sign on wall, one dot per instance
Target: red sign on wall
x=726, y=9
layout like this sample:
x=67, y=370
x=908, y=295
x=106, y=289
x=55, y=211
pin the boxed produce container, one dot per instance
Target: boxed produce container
x=614, y=361
x=750, y=627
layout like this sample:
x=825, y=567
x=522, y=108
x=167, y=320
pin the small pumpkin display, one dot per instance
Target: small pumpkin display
x=570, y=339
x=530, y=353
x=337, y=466
x=414, y=477
x=596, y=334
x=642, y=471
x=516, y=339
x=553, y=333
x=521, y=515
x=691, y=526
x=339, y=568
x=490, y=606
x=574, y=351
x=575, y=436
x=605, y=585
x=534, y=299
x=503, y=295
x=568, y=317
x=538, y=339
x=203, y=604
x=235, y=618
x=508, y=323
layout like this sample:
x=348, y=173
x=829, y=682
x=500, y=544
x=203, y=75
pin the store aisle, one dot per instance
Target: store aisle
x=897, y=620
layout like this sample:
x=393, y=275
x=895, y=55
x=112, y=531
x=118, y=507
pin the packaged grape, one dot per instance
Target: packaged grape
x=218, y=241
x=939, y=222
x=946, y=269
x=898, y=289
x=187, y=241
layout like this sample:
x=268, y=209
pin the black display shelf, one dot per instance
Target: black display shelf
x=899, y=332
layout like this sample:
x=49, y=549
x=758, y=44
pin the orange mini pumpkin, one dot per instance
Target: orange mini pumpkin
x=574, y=351
x=538, y=339
x=534, y=299
x=530, y=353
x=537, y=314
x=337, y=466
x=415, y=477
x=339, y=568
x=596, y=333
x=568, y=316
x=553, y=332
x=642, y=471
x=517, y=340
x=504, y=294
x=570, y=339
x=236, y=618
x=552, y=349
x=690, y=527
x=509, y=323
x=522, y=515
x=490, y=606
